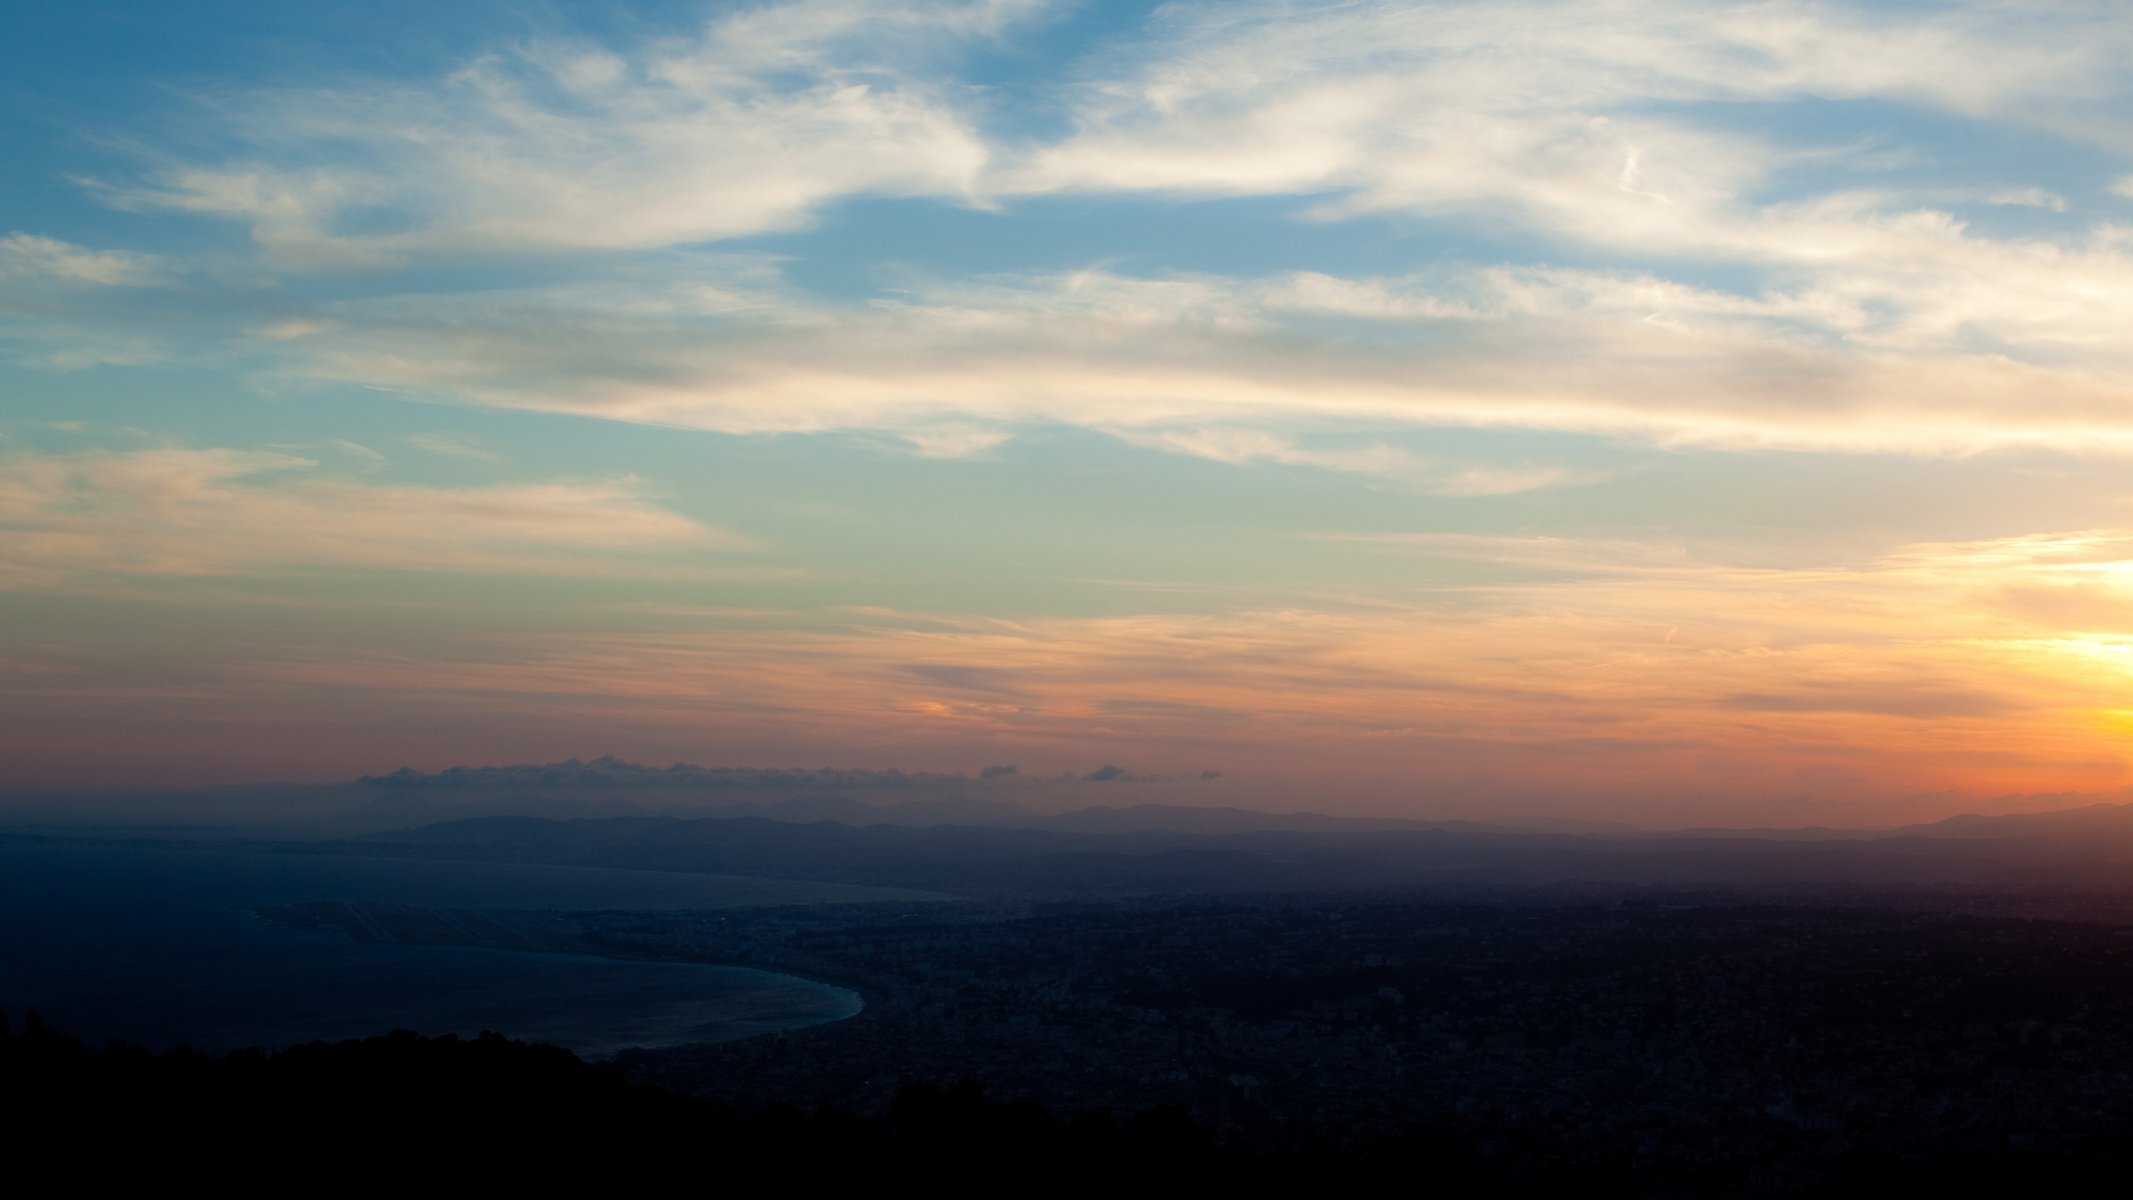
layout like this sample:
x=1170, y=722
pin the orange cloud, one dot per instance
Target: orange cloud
x=1678, y=690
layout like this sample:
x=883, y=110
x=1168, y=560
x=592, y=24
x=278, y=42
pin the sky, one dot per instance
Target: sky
x=1677, y=413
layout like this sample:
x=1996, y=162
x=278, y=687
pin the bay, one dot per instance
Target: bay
x=154, y=944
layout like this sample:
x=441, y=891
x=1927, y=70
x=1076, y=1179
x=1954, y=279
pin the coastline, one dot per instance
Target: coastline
x=159, y=947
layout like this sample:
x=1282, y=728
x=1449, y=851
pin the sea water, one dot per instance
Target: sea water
x=155, y=944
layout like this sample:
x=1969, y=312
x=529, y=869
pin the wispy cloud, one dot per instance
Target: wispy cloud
x=771, y=112
x=70, y=519
x=1654, y=678
x=452, y=445
x=2021, y=350
x=49, y=261
x=1860, y=312
x=1579, y=117
x=1684, y=676
x=953, y=440
x=2028, y=197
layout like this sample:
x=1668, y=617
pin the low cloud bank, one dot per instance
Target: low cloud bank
x=608, y=771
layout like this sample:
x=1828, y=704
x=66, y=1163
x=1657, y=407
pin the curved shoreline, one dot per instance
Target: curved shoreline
x=862, y=999
x=209, y=948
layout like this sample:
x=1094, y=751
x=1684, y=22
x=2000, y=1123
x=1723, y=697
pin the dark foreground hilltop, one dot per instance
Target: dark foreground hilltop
x=489, y=1111
x=1464, y=1011
x=404, y=1110
x=1633, y=1044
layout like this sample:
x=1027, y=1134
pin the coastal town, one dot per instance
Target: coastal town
x=1688, y=1029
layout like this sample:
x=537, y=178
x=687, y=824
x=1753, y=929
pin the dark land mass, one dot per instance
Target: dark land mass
x=1624, y=1043
x=487, y=1113
x=1516, y=1011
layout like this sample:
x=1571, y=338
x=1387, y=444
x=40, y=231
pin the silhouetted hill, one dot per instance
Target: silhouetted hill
x=1001, y=799
x=491, y=1112
x=2107, y=821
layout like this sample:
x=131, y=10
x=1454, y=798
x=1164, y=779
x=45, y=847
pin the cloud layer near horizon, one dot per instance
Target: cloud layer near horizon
x=1644, y=674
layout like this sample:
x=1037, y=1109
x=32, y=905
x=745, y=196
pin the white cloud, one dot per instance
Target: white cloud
x=771, y=112
x=452, y=445
x=1855, y=317
x=2028, y=197
x=1580, y=117
x=953, y=440
x=287, y=330
x=2019, y=348
x=1245, y=446
x=1392, y=464
x=181, y=512
x=49, y=260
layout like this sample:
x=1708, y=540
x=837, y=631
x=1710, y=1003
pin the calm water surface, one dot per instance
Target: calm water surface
x=153, y=944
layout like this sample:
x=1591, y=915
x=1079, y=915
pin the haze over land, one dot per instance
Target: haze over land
x=1107, y=799
x=1104, y=832
x=1658, y=413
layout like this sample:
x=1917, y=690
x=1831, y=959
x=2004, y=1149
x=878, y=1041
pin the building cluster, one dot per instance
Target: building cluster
x=1687, y=1030
x=1693, y=1034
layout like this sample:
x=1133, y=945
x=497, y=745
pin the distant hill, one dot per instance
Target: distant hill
x=2110, y=821
x=1144, y=850
x=1001, y=798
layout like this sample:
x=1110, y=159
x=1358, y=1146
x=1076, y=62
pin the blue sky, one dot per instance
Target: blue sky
x=1679, y=412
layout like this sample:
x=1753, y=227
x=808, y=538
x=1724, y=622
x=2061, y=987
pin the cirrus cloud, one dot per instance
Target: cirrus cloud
x=1764, y=284
x=69, y=520
x=1232, y=368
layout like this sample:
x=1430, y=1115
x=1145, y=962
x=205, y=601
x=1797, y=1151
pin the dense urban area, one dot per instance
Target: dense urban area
x=1764, y=1043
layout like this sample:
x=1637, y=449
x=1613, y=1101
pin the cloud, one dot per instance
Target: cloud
x=364, y=456
x=964, y=677
x=1580, y=555
x=1720, y=677
x=1593, y=122
x=452, y=445
x=71, y=307
x=49, y=260
x=2029, y=197
x=2016, y=345
x=2022, y=349
x=170, y=512
x=1674, y=682
x=1245, y=446
x=752, y=125
x=1596, y=122
x=1925, y=705
x=1742, y=288
x=608, y=771
x=953, y=440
